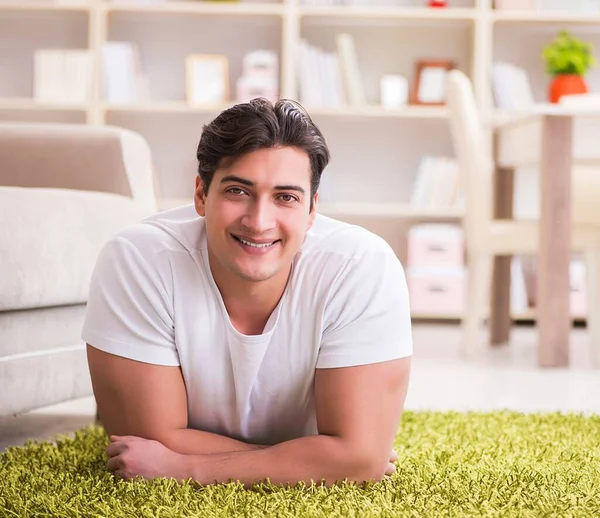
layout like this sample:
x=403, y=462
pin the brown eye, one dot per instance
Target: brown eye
x=288, y=198
x=236, y=191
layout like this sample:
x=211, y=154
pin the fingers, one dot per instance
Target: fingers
x=114, y=438
x=115, y=448
x=122, y=475
x=114, y=464
x=391, y=467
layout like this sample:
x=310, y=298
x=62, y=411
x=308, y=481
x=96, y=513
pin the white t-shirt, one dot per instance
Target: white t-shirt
x=153, y=299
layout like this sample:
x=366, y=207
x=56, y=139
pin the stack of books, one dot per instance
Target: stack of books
x=123, y=78
x=63, y=76
x=437, y=184
x=330, y=79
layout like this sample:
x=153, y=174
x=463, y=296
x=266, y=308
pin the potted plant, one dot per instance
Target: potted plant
x=567, y=62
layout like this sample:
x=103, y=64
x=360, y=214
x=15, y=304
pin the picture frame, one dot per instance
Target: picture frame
x=207, y=79
x=430, y=81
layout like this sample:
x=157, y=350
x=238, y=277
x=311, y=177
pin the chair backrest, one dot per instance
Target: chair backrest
x=474, y=158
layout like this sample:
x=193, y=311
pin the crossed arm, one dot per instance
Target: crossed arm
x=144, y=409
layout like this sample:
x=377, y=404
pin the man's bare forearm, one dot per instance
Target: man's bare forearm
x=196, y=442
x=316, y=458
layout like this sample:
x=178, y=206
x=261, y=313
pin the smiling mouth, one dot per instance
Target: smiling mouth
x=252, y=244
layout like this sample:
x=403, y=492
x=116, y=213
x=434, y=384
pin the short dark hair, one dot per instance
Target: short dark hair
x=260, y=124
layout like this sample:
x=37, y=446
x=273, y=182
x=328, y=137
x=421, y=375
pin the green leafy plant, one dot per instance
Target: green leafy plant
x=568, y=55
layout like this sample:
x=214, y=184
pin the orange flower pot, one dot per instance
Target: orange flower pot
x=567, y=84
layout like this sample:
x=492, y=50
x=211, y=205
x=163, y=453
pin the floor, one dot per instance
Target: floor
x=499, y=378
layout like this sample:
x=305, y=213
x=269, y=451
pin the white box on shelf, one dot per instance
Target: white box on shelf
x=435, y=244
x=249, y=87
x=394, y=91
x=260, y=63
x=260, y=77
x=437, y=291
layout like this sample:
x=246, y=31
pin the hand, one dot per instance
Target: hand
x=130, y=456
x=391, y=467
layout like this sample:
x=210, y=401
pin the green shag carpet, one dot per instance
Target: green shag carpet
x=450, y=464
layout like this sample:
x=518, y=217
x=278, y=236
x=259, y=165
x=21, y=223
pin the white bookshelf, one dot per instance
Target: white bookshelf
x=375, y=151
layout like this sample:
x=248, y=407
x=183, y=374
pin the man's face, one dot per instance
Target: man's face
x=257, y=212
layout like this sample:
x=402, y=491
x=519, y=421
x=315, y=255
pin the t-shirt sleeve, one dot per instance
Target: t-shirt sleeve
x=130, y=310
x=368, y=313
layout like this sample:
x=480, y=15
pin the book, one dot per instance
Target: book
x=350, y=69
x=63, y=76
x=320, y=80
x=123, y=79
x=511, y=87
x=436, y=184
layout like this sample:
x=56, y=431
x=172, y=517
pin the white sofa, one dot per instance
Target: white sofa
x=65, y=189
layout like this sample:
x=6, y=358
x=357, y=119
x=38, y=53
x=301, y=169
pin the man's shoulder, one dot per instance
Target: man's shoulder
x=330, y=238
x=178, y=229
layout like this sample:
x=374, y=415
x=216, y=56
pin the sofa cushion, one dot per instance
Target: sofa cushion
x=42, y=358
x=40, y=331
x=51, y=379
x=50, y=239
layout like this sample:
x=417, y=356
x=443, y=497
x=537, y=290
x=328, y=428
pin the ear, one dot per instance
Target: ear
x=313, y=212
x=200, y=197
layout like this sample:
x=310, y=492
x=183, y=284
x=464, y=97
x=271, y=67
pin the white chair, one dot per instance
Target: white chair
x=486, y=237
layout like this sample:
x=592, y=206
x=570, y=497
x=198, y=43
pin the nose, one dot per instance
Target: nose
x=259, y=217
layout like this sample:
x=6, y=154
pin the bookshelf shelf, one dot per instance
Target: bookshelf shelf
x=41, y=6
x=164, y=107
x=524, y=316
x=23, y=103
x=438, y=317
x=529, y=315
x=199, y=8
x=533, y=17
x=409, y=112
x=366, y=13
x=387, y=210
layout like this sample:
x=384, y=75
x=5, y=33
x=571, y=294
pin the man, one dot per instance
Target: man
x=246, y=337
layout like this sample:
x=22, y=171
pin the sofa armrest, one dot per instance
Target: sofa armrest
x=78, y=157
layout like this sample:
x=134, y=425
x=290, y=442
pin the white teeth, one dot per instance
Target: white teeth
x=255, y=245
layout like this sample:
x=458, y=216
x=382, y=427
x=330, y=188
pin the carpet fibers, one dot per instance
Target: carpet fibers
x=450, y=464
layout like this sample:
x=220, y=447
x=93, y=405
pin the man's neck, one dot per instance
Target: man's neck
x=250, y=304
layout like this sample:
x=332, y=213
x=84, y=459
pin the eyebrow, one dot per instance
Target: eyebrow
x=249, y=183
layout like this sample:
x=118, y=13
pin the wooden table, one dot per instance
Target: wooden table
x=542, y=136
